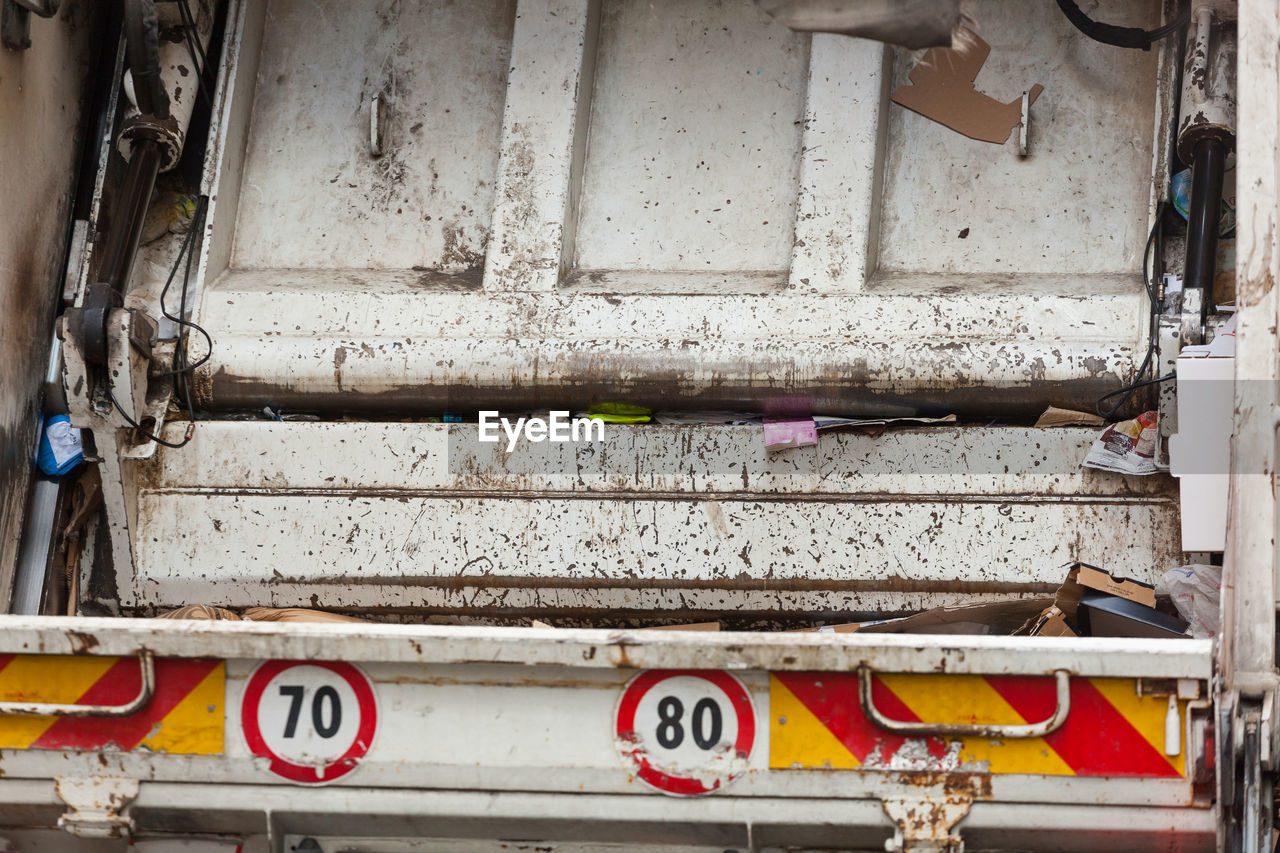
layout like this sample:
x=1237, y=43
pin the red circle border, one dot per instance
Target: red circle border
x=302, y=773
x=628, y=742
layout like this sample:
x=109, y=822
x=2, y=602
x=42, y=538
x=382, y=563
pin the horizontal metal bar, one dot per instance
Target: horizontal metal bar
x=731, y=821
x=877, y=498
x=147, y=666
x=1024, y=730
x=599, y=648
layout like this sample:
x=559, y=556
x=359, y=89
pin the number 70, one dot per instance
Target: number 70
x=324, y=695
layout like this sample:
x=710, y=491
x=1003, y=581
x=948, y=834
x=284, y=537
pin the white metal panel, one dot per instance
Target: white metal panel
x=694, y=139
x=1250, y=585
x=403, y=552
x=575, y=141
x=997, y=463
x=677, y=520
x=1099, y=657
x=838, y=207
x=486, y=731
x=1078, y=204
x=445, y=729
x=313, y=196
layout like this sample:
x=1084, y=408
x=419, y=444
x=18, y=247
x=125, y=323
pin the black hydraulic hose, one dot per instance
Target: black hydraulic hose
x=142, y=40
x=1132, y=37
x=1209, y=163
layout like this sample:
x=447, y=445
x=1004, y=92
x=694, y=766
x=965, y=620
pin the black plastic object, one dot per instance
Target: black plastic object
x=1131, y=37
x=1103, y=615
x=142, y=42
x=99, y=301
x=1203, y=212
x=121, y=249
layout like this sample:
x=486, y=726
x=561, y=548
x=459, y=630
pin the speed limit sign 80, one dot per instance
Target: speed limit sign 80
x=314, y=720
x=685, y=732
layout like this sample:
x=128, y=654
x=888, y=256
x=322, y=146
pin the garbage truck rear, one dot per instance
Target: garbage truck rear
x=588, y=425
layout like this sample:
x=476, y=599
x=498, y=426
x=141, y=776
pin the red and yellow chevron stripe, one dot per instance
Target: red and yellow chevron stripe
x=184, y=716
x=817, y=722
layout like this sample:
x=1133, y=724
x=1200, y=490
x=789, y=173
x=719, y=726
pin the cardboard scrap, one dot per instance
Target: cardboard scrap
x=1055, y=417
x=689, y=626
x=996, y=618
x=942, y=90
x=202, y=612
x=1090, y=602
x=999, y=618
x=1093, y=603
x=294, y=614
x=256, y=614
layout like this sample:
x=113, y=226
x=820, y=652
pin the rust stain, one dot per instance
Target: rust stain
x=621, y=659
x=82, y=642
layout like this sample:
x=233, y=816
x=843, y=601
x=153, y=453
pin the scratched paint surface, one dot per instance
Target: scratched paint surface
x=424, y=205
x=674, y=248
x=655, y=519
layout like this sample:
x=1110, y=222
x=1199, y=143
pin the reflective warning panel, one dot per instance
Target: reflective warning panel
x=817, y=721
x=184, y=715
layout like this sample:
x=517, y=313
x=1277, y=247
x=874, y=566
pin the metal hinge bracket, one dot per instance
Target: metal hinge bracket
x=94, y=805
x=924, y=825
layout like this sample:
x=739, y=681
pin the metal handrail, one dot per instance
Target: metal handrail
x=147, y=665
x=992, y=730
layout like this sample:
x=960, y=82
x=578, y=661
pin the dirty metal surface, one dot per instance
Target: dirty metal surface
x=313, y=196
x=1249, y=581
x=687, y=100
x=463, y=709
x=660, y=248
x=1078, y=204
x=40, y=100
x=592, y=649
x=519, y=716
x=734, y=823
x=676, y=520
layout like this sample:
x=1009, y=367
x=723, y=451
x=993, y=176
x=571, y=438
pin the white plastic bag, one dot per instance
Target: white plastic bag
x=1195, y=592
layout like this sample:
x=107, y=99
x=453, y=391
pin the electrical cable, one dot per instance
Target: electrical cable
x=1153, y=329
x=191, y=427
x=1129, y=37
x=187, y=251
x=191, y=36
x=182, y=370
x=1129, y=389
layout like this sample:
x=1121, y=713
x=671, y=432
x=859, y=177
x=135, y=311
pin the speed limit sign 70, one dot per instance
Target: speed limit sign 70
x=314, y=720
x=685, y=732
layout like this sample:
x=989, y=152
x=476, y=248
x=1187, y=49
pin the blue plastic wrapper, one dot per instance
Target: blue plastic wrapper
x=1180, y=195
x=60, y=447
